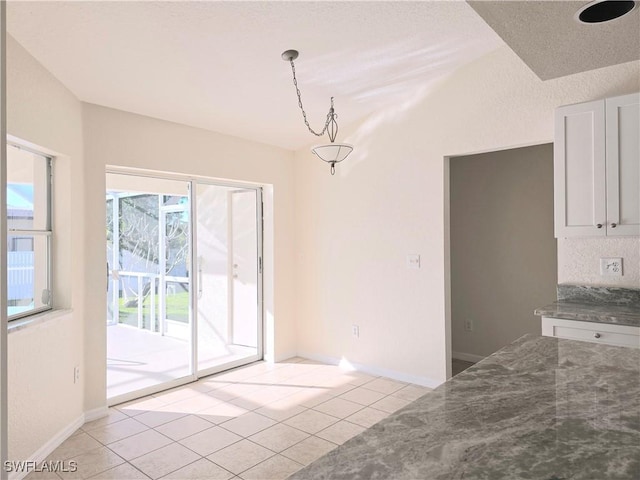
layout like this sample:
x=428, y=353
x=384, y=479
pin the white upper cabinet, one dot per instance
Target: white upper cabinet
x=623, y=165
x=579, y=170
x=597, y=168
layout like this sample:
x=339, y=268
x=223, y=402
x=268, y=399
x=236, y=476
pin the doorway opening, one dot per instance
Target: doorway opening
x=502, y=249
x=184, y=259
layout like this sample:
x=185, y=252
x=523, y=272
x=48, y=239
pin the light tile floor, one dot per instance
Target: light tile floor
x=260, y=422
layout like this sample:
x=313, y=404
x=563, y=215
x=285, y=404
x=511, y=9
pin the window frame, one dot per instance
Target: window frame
x=47, y=232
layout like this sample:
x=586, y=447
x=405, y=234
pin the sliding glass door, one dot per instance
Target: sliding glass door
x=229, y=287
x=164, y=325
x=148, y=327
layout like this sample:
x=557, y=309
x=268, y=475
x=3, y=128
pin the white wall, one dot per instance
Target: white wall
x=354, y=230
x=503, y=252
x=579, y=260
x=122, y=139
x=351, y=232
x=43, y=399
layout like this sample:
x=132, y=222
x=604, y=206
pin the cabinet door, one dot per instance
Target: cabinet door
x=623, y=165
x=579, y=170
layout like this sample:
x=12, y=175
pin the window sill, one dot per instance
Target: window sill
x=37, y=319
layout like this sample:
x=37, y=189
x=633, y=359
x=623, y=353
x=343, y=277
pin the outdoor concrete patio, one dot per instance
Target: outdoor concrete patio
x=138, y=359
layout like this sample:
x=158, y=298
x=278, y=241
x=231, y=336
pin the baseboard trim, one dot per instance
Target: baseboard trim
x=47, y=449
x=373, y=370
x=95, y=414
x=54, y=442
x=467, y=357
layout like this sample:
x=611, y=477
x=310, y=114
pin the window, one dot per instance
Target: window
x=29, y=232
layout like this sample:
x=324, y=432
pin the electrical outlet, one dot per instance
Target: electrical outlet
x=468, y=325
x=413, y=260
x=355, y=331
x=76, y=374
x=611, y=267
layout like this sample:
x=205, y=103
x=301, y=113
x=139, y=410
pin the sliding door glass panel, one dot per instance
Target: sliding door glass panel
x=175, y=222
x=227, y=246
x=148, y=327
x=244, y=285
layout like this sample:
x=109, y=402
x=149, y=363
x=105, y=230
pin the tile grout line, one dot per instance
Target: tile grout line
x=126, y=462
x=191, y=463
x=328, y=383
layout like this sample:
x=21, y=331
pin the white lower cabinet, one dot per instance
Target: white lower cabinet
x=605, y=333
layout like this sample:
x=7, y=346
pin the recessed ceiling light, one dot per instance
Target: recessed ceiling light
x=604, y=10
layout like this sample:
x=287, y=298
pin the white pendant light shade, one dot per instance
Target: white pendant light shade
x=333, y=152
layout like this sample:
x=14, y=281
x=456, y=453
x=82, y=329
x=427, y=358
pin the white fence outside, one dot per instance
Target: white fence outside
x=20, y=270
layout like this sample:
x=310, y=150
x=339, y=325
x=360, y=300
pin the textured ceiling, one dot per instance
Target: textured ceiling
x=217, y=65
x=545, y=35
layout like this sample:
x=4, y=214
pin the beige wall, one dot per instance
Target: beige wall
x=120, y=139
x=354, y=230
x=503, y=252
x=43, y=400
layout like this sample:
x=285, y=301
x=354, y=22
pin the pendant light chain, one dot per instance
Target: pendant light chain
x=330, y=115
x=331, y=153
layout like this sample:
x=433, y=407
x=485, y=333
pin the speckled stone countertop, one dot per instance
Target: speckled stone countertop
x=541, y=408
x=591, y=313
x=595, y=304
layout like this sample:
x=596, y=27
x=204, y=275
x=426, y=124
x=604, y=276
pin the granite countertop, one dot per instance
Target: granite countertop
x=588, y=312
x=587, y=303
x=541, y=408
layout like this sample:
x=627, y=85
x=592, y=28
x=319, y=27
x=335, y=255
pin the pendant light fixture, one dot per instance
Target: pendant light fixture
x=333, y=152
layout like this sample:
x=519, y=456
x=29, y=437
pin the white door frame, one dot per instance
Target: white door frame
x=3, y=246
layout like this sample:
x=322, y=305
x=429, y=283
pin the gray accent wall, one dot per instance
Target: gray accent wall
x=503, y=252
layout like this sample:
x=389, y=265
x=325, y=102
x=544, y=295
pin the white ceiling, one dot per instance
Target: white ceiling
x=548, y=38
x=216, y=65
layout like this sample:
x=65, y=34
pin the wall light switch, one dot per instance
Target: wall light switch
x=611, y=267
x=413, y=260
x=355, y=331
